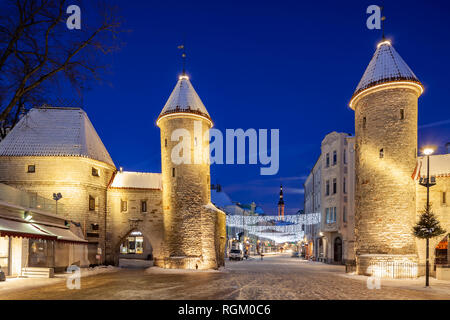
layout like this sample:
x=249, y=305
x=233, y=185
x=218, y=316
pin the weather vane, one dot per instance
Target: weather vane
x=383, y=18
x=183, y=56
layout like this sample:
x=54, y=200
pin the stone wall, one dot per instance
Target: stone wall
x=121, y=223
x=72, y=177
x=189, y=229
x=385, y=199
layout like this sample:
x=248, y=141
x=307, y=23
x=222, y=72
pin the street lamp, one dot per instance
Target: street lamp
x=427, y=183
x=56, y=197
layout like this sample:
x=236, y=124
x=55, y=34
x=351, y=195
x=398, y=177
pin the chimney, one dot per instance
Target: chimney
x=447, y=146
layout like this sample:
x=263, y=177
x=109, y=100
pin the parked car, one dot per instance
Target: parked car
x=236, y=254
x=295, y=254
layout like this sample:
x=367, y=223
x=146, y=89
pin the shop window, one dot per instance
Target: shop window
x=4, y=254
x=144, y=206
x=41, y=253
x=31, y=168
x=95, y=172
x=134, y=244
x=91, y=203
x=123, y=205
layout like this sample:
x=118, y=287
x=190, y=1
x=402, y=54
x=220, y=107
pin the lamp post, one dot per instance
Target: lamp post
x=427, y=183
x=56, y=197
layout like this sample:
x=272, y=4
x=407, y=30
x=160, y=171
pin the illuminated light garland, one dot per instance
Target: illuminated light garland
x=184, y=114
x=405, y=84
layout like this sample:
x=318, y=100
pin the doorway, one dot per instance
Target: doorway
x=338, y=250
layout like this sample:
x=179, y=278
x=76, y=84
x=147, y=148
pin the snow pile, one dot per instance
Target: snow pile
x=137, y=180
x=158, y=270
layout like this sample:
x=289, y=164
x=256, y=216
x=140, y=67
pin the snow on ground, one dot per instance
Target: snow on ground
x=135, y=263
x=12, y=284
x=158, y=270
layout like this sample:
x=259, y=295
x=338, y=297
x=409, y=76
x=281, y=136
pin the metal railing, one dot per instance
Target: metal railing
x=28, y=200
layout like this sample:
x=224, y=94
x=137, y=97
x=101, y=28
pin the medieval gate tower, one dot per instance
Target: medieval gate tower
x=193, y=228
x=386, y=107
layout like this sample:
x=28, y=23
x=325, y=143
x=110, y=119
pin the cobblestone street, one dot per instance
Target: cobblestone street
x=276, y=277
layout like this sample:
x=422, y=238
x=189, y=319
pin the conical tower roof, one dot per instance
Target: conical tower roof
x=184, y=100
x=386, y=66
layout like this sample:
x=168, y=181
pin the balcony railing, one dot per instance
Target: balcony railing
x=28, y=200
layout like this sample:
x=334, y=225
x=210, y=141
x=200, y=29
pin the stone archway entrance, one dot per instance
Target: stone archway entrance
x=337, y=250
x=134, y=250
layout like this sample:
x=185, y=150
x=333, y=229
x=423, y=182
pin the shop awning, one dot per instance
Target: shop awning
x=12, y=228
x=61, y=234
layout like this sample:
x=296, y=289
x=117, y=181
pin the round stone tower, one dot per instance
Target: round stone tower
x=189, y=230
x=385, y=105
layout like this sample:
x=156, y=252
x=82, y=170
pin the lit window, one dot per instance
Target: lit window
x=123, y=205
x=133, y=244
x=95, y=172
x=91, y=203
x=31, y=168
x=144, y=206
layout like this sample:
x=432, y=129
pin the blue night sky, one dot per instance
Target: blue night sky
x=288, y=65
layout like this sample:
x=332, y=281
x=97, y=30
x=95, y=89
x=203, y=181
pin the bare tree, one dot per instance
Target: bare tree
x=39, y=53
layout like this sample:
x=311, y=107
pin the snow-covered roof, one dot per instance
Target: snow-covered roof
x=137, y=180
x=184, y=99
x=49, y=131
x=386, y=66
x=439, y=166
x=220, y=199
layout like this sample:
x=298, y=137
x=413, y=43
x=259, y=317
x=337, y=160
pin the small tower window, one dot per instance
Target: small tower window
x=173, y=172
x=402, y=114
x=444, y=197
x=195, y=141
x=91, y=203
x=381, y=153
x=123, y=205
x=165, y=143
x=144, y=206
x=95, y=172
x=364, y=122
x=31, y=168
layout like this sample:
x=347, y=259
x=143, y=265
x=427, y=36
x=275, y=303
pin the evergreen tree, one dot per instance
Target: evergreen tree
x=428, y=225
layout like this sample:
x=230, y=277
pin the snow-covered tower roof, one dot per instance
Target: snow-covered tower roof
x=386, y=66
x=184, y=100
x=50, y=131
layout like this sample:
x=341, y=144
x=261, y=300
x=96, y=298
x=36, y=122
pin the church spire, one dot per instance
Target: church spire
x=281, y=205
